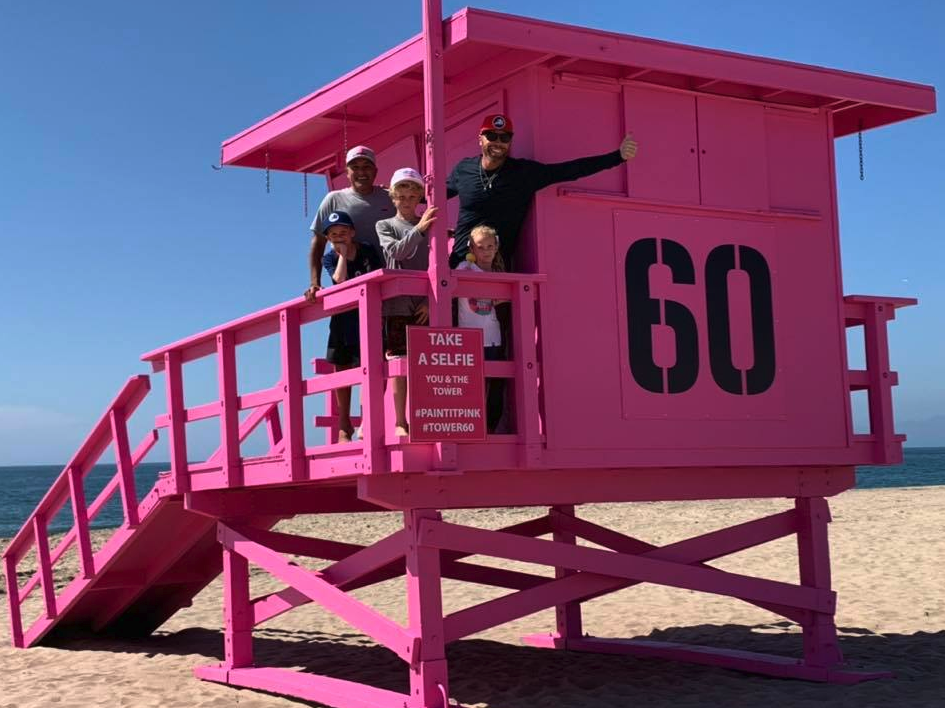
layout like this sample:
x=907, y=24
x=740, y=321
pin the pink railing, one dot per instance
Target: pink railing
x=289, y=459
x=872, y=313
x=110, y=430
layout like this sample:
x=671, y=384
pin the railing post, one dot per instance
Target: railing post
x=880, y=385
x=229, y=409
x=13, y=597
x=126, y=472
x=45, y=567
x=81, y=514
x=294, y=433
x=372, y=387
x=177, y=436
x=526, y=373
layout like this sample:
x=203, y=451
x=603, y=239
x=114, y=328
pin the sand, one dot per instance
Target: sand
x=888, y=551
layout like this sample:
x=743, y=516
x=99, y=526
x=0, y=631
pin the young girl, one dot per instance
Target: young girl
x=484, y=256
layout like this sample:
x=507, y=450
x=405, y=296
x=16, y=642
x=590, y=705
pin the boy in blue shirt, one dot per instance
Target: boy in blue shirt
x=345, y=259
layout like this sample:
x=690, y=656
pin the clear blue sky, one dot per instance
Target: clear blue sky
x=117, y=237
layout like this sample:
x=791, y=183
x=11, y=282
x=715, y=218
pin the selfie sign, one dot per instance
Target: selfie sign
x=445, y=384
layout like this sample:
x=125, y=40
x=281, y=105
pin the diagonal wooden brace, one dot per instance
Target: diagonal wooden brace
x=402, y=642
x=443, y=535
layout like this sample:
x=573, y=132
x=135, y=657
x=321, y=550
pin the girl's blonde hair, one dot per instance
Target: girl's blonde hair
x=498, y=265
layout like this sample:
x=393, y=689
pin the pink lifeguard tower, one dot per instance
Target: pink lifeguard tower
x=700, y=353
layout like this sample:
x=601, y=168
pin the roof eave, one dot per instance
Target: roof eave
x=404, y=57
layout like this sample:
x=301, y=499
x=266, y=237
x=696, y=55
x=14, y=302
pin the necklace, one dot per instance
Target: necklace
x=486, y=181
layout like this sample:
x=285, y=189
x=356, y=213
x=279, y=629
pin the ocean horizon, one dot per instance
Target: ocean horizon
x=25, y=486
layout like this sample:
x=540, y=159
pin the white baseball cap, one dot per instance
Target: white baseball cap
x=406, y=174
x=360, y=151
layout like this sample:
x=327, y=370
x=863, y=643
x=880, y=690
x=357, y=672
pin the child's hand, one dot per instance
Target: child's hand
x=341, y=249
x=422, y=314
x=429, y=216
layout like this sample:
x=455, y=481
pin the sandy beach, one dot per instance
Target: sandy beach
x=888, y=552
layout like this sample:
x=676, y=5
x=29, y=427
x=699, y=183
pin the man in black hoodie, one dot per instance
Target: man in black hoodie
x=496, y=189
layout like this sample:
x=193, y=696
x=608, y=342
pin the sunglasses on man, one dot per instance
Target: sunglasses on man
x=493, y=136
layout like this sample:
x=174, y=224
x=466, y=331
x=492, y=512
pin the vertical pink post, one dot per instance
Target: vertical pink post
x=568, y=615
x=372, y=388
x=526, y=374
x=813, y=552
x=45, y=566
x=81, y=514
x=428, y=672
x=229, y=409
x=177, y=435
x=880, y=387
x=292, y=394
x=13, y=596
x=126, y=472
x=434, y=138
x=331, y=405
x=237, y=611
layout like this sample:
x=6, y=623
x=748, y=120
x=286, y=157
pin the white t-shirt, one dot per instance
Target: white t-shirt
x=479, y=313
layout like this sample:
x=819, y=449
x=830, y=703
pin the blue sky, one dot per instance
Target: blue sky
x=118, y=237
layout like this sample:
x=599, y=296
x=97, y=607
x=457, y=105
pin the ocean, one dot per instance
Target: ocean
x=23, y=487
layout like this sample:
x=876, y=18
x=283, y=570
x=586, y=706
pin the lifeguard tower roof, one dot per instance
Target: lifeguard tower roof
x=483, y=48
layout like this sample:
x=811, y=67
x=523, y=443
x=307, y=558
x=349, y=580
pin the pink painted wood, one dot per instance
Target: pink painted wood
x=81, y=515
x=428, y=673
x=294, y=432
x=45, y=567
x=567, y=615
x=381, y=629
x=177, y=438
x=372, y=386
x=229, y=416
x=237, y=612
x=126, y=472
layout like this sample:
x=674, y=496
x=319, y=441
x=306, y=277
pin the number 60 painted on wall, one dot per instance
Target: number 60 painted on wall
x=643, y=311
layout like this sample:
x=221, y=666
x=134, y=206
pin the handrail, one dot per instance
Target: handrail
x=128, y=398
x=340, y=297
x=365, y=293
x=111, y=428
x=873, y=312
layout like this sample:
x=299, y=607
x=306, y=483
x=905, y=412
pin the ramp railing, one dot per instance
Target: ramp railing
x=110, y=430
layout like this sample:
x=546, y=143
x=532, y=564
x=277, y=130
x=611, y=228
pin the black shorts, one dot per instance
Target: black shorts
x=341, y=351
x=395, y=334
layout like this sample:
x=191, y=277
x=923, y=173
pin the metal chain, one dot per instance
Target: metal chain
x=305, y=194
x=267, y=170
x=344, y=128
x=860, y=138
